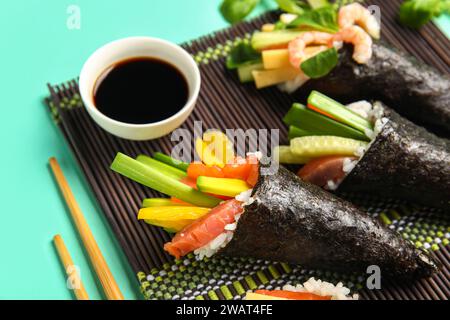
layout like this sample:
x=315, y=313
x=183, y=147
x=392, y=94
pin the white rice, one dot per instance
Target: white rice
x=293, y=85
x=331, y=185
x=349, y=164
x=257, y=154
x=213, y=246
x=245, y=197
x=225, y=237
x=373, y=113
x=362, y=108
x=323, y=288
x=360, y=151
x=376, y=113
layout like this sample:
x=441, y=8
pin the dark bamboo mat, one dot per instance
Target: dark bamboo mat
x=225, y=103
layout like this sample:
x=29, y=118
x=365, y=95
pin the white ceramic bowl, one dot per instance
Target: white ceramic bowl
x=126, y=48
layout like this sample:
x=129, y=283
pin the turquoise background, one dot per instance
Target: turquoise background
x=36, y=48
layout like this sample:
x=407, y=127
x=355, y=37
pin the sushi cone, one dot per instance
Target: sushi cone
x=292, y=221
x=417, y=91
x=406, y=162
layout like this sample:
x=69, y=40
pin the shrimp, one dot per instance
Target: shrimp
x=356, y=14
x=361, y=41
x=296, y=47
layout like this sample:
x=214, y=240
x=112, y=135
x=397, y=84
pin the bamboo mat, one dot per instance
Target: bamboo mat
x=225, y=103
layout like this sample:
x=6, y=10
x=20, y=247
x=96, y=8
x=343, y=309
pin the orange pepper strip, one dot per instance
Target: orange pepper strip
x=314, y=108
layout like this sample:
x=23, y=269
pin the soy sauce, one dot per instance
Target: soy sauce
x=141, y=90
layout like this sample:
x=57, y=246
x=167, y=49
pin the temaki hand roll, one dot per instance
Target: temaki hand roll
x=368, y=148
x=417, y=91
x=404, y=161
x=288, y=220
x=293, y=221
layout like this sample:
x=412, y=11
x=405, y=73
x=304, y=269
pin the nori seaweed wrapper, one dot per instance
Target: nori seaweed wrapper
x=296, y=222
x=417, y=91
x=406, y=162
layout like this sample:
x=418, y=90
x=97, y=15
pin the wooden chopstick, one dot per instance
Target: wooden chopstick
x=79, y=290
x=110, y=287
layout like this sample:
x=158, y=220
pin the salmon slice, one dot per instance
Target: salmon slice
x=204, y=230
x=320, y=171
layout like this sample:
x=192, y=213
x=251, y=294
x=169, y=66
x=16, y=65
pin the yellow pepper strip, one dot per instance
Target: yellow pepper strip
x=174, y=218
x=222, y=186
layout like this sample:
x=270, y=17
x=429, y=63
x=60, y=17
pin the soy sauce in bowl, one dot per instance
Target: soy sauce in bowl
x=141, y=90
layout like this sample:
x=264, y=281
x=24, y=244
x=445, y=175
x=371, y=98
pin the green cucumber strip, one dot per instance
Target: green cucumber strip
x=319, y=125
x=263, y=40
x=245, y=72
x=159, y=181
x=171, y=161
x=338, y=111
x=159, y=202
x=295, y=132
x=284, y=155
x=320, y=146
x=222, y=186
x=161, y=166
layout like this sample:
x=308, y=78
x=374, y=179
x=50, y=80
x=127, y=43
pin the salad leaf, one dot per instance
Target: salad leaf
x=416, y=13
x=292, y=6
x=235, y=10
x=337, y=4
x=242, y=54
x=279, y=25
x=322, y=19
x=314, y=4
x=321, y=64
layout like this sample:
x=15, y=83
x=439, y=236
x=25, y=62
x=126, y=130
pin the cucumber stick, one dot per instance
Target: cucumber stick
x=319, y=146
x=264, y=40
x=222, y=186
x=161, y=182
x=317, y=124
x=295, y=132
x=245, y=72
x=170, y=161
x=164, y=168
x=338, y=111
x=283, y=154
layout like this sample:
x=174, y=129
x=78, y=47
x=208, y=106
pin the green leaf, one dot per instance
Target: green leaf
x=321, y=64
x=236, y=10
x=322, y=19
x=279, y=25
x=416, y=13
x=292, y=6
x=314, y=4
x=242, y=54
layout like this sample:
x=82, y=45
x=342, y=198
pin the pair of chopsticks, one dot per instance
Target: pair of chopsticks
x=108, y=283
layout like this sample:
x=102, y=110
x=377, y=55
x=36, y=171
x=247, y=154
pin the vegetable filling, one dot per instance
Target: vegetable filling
x=206, y=196
x=328, y=138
